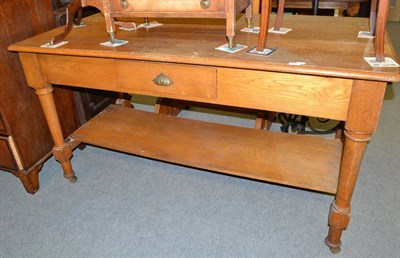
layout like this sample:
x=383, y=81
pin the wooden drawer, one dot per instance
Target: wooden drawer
x=290, y=93
x=3, y=129
x=7, y=160
x=166, y=8
x=186, y=80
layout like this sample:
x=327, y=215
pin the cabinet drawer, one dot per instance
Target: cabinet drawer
x=171, y=8
x=167, y=79
x=7, y=160
x=3, y=129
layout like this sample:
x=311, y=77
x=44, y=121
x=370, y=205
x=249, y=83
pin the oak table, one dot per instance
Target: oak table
x=179, y=61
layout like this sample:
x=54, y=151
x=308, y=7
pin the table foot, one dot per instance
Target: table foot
x=334, y=248
x=71, y=179
x=63, y=155
x=339, y=219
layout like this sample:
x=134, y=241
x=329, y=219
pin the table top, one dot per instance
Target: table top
x=328, y=46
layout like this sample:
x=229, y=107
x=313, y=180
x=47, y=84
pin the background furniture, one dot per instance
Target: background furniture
x=113, y=9
x=25, y=141
x=352, y=7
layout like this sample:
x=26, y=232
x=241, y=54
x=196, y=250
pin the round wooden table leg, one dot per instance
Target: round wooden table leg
x=361, y=123
x=61, y=151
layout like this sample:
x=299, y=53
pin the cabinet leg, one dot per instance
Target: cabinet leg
x=339, y=215
x=264, y=120
x=61, y=151
x=31, y=180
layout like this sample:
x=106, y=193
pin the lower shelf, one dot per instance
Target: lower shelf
x=296, y=160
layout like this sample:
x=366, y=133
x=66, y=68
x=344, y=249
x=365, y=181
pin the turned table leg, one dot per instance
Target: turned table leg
x=61, y=151
x=339, y=215
x=33, y=72
x=362, y=119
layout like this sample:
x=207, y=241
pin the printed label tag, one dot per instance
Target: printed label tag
x=80, y=25
x=365, y=34
x=296, y=63
x=118, y=42
x=264, y=52
x=251, y=30
x=389, y=62
x=150, y=25
x=225, y=48
x=126, y=25
x=281, y=31
x=48, y=45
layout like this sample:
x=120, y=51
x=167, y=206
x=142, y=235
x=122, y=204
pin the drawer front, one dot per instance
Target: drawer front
x=167, y=80
x=289, y=93
x=166, y=7
x=7, y=160
x=3, y=129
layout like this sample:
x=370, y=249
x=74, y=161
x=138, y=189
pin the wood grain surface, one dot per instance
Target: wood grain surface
x=301, y=161
x=328, y=46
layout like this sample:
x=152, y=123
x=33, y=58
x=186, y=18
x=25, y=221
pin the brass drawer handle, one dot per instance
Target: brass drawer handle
x=163, y=80
x=205, y=3
x=124, y=4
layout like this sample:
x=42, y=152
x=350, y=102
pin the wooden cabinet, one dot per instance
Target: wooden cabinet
x=25, y=140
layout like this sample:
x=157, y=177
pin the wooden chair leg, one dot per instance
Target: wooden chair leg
x=383, y=11
x=71, y=10
x=230, y=25
x=265, y=12
x=249, y=15
x=315, y=6
x=279, y=15
x=372, y=16
x=31, y=180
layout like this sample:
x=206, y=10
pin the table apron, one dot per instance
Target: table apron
x=281, y=92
